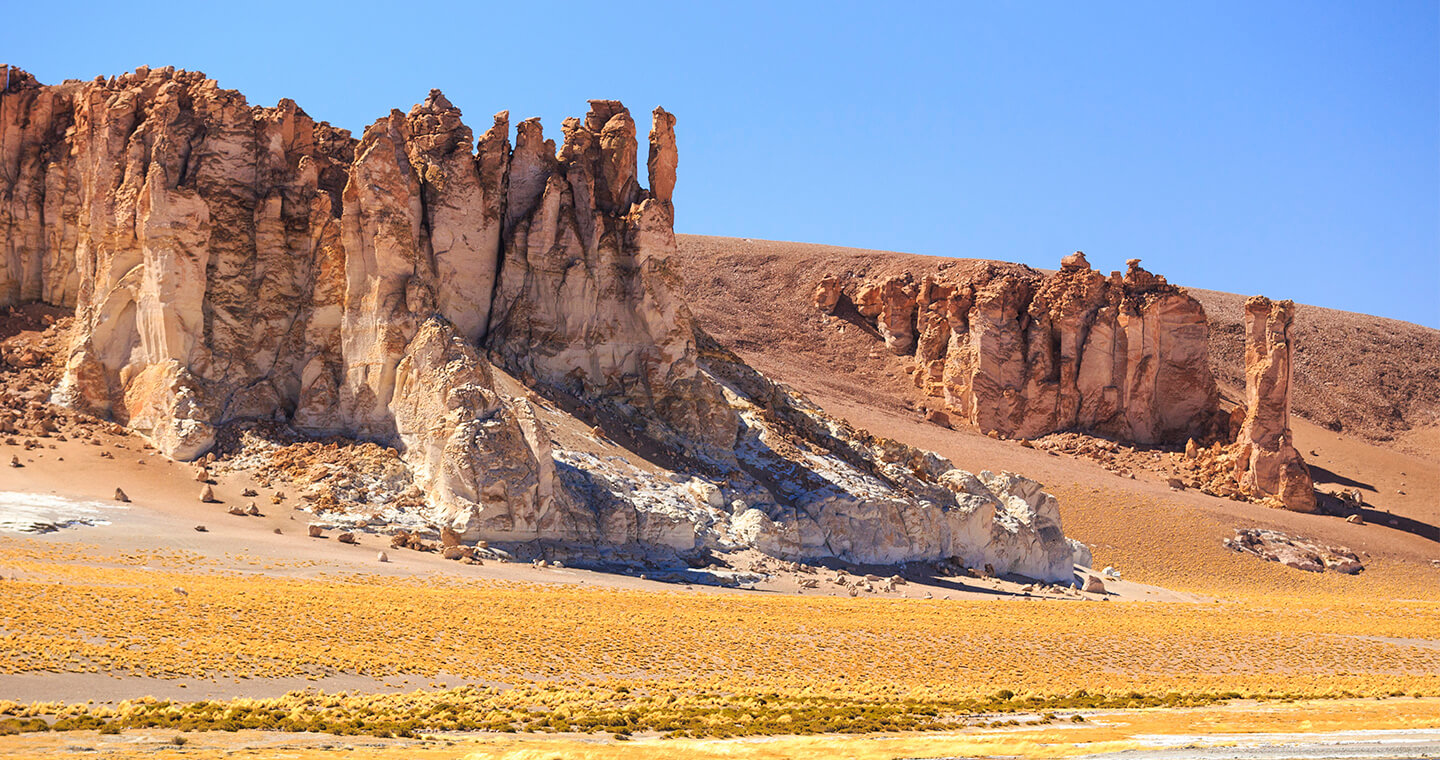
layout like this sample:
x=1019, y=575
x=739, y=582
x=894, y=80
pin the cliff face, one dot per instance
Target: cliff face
x=229, y=263
x=1021, y=355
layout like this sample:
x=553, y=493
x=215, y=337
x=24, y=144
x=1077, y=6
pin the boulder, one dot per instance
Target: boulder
x=1093, y=585
x=827, y=294
x=315, y=531
x=121, y=496
x=207, y=495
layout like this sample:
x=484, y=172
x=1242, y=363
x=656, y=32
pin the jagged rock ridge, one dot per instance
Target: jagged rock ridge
x=1020, y=354
x=230, y=263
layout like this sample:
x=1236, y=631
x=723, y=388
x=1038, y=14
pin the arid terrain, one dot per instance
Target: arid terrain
x=414, y=445
x=143, y=605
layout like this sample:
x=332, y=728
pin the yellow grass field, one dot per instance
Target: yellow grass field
x=681, y=663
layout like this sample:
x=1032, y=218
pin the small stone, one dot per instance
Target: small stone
x=207, y=495
x=316, y=531
x=347, y=538
x=382, y=557
x=252, y=510
x=200, y=529
x=1094, y=585
x=121, y=497
x=1355, y=520
x=15, y=461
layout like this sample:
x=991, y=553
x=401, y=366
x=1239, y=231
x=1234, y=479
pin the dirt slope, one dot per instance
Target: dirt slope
x=1379, y=382
x=1368, y=376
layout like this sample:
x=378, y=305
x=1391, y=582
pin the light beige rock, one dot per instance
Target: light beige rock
x=230, y=263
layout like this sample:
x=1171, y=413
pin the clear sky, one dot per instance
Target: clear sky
x=1284, y=148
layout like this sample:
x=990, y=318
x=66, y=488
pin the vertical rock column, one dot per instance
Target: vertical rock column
x=1272, y=466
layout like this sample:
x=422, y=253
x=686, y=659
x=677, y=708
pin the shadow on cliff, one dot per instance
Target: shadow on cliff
x=845, y=309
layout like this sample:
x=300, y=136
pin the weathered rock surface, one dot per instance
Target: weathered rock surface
x=1294, y=551
x=1262, y=463
x=233, y=265
x=1022, y=355
x=1273, y=466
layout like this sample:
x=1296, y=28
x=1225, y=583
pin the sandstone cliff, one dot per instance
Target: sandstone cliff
x=230, y=264
x=1020, y=354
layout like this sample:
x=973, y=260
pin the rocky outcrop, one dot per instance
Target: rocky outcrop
x=1295, y=551
x=1021, y=354
x=1272, y=466
x=1257, y=459
x=233, y=265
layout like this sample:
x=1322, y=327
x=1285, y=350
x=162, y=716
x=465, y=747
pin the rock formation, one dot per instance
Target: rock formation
x=233, y=265
x=1268, y=464
x=1257, y=460
x=1022, y=355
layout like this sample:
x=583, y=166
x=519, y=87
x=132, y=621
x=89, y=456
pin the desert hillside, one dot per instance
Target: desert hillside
x=755, y=297
x=1372, y=377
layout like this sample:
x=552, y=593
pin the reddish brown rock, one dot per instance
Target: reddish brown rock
x=1023, y=355
x=1272, y=465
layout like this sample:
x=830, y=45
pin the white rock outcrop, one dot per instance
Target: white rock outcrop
x=230, y=264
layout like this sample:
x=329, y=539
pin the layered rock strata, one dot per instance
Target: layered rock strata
x=230, y=264
x=1021, y=354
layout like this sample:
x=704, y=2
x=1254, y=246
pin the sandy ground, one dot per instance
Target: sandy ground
x=159, y=523
x=1350, y=729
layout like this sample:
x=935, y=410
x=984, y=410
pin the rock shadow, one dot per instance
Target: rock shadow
x=1321, y=475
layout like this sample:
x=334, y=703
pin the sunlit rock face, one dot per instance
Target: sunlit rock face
x=230, y=263
x=1267, y=461
x=1021, y=354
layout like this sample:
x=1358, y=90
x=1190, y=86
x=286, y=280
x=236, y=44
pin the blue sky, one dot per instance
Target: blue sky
x=1289, y=149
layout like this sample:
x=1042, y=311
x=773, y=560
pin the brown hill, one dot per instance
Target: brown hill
x=755, y=297
x=1368, y=376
